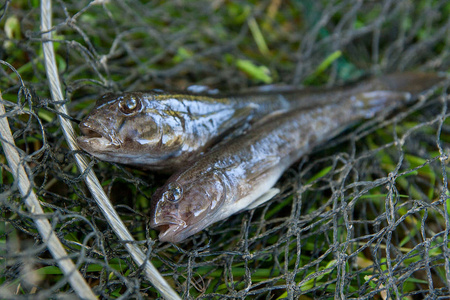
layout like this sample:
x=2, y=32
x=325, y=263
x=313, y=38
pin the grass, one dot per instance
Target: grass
x=276, y=256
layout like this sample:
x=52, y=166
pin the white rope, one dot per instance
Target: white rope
x=91, y=180
x=49, y=237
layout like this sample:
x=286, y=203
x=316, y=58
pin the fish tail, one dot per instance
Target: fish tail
x=394, y=90
x=411, y=82
x=370, y=103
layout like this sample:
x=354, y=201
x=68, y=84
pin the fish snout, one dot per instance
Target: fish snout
x=92, y=129
x=159, y=221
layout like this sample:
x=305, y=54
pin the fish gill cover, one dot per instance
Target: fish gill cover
x=366, y=216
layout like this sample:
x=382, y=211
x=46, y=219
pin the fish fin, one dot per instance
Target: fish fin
x=202, y=89
x=263, y=198
x=412, y=82
x=272, y=88
x=238, y=124
x=245, y=112
x=269, y=117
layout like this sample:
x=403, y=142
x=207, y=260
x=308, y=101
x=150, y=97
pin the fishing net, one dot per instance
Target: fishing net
x=366, y=216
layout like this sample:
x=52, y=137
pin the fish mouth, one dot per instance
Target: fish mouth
x=87, y=131
x=95, y=135
x=172, y=233
x=170, y=229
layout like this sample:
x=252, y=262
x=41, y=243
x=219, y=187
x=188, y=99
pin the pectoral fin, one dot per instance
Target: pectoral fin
x=236, y=124
x=264, y=198
x=268, y=117
x=243, y=114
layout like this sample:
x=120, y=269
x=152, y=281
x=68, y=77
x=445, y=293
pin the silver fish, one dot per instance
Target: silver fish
x=240, y=174
x=165, y=131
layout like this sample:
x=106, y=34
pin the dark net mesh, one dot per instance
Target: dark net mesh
x=366, y=216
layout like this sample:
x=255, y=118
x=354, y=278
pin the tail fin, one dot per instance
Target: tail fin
x=370, y=103
x=411, y=82
x=391, y=91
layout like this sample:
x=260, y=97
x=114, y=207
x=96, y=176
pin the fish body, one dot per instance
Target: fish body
x=165, y=131
x=241, y=173
x=157, y=130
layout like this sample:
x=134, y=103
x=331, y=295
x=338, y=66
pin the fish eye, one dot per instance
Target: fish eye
x=129, y=105
x=174, y=193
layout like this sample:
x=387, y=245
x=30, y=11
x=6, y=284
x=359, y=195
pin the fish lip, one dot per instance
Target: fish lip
x=169, y=228
x=93, y=130
x=88, y=131
x=167, y=221
x=172, y=233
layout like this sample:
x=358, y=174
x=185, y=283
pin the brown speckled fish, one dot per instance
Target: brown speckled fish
x=163, y=131
x=240, y=174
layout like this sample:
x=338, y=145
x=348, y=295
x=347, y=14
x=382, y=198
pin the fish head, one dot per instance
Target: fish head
x=182, y=208
x=131, y=128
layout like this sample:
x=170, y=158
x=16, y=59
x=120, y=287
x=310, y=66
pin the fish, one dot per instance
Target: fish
x=164, y=131
x=240, y=174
